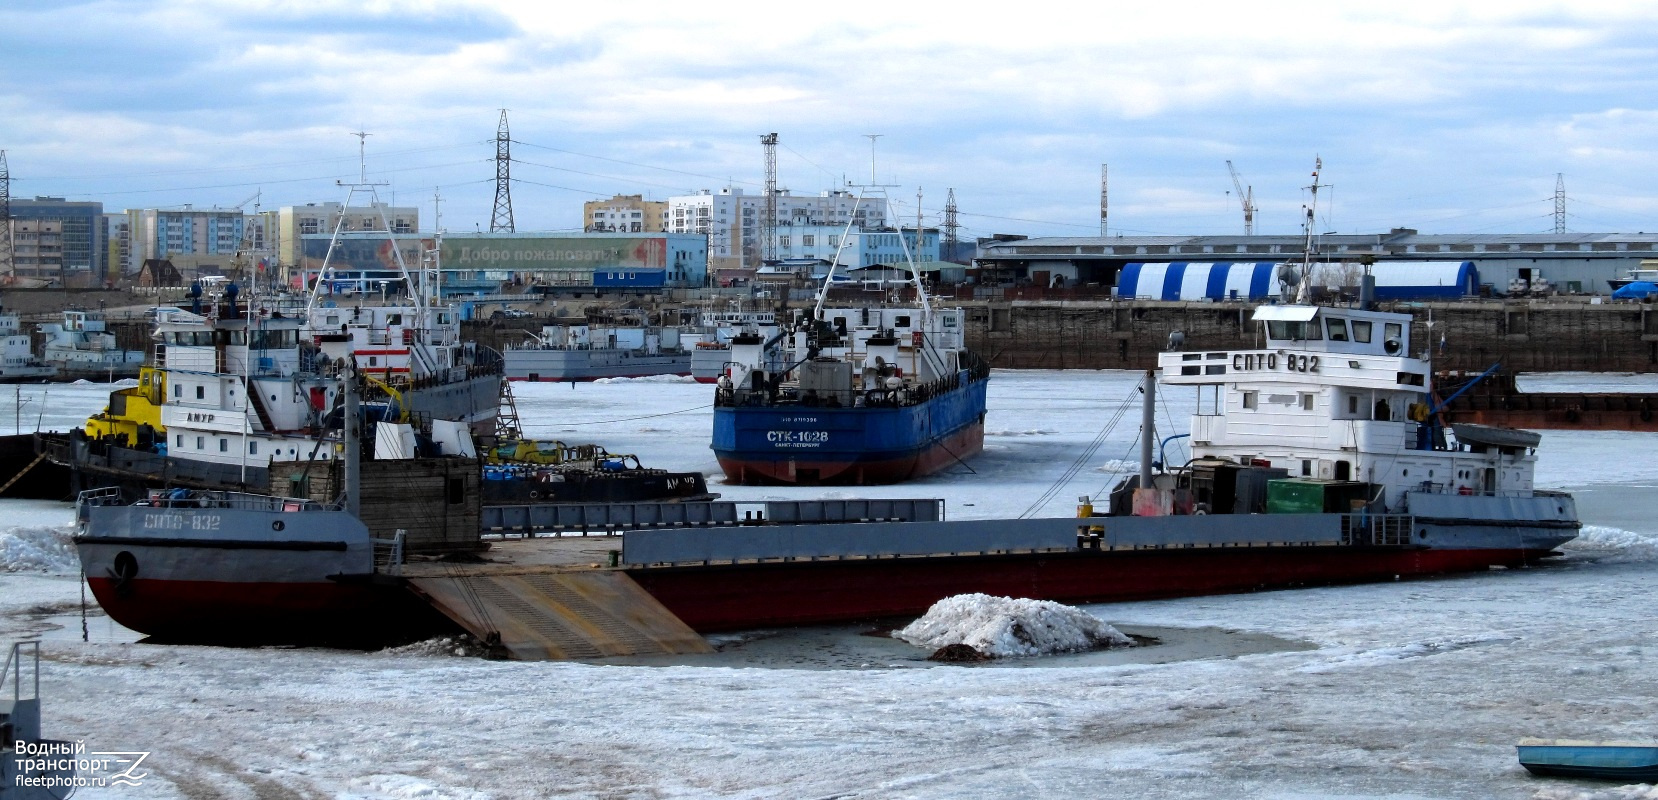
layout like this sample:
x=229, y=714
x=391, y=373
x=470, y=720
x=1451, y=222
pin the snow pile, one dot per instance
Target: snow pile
x=650, y=379
x=1612, y=545
x=1005, y=626
x=1638, y=791
x=462, y=646
x=1031, y=432
x=38, y=549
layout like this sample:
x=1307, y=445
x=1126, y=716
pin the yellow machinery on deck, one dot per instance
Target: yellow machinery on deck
x=131, y=409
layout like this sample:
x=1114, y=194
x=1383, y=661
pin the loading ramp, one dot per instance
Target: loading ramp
x=561, y=614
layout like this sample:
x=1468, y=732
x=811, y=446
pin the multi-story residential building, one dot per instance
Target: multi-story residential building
x=118, y=244
x=184, y=235
x=76, y=254
x=37, y=248
x=731, y=219
x=625, y=213
x=311, y=219
x=862, y=248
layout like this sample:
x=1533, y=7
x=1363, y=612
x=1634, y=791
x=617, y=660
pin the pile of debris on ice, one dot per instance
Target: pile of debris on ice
x=1001, y=627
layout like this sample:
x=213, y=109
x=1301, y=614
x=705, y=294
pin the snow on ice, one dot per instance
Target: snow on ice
x=1003, y=627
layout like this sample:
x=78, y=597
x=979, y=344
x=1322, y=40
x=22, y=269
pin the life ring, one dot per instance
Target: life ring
x=535, y=495
x=1572, y=415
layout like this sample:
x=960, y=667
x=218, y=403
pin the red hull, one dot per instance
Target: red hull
x=953, y=449
x=222, y=611
x=799, y=593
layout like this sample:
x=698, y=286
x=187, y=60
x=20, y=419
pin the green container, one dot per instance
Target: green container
x=1295, y=496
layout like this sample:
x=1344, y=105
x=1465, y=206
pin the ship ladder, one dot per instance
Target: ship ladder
x=507, y=428
x=22, y=472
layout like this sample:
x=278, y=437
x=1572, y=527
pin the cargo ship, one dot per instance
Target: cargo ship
x=853, y=396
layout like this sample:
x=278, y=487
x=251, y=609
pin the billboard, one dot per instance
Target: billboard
x=576, y=253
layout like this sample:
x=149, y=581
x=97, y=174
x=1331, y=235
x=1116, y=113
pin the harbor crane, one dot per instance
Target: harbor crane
x=1246, y=197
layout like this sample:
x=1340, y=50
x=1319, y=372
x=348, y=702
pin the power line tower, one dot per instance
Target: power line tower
x=950, y=243
x=501, y=220
x=1104, y=207
x=7, y=266
x=1246, y=197
x=1559, y=202
x=768, y=223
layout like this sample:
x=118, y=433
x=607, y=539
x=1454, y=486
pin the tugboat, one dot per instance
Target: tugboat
x=226, y=566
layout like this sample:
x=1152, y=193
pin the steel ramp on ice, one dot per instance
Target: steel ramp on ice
x=558, y=615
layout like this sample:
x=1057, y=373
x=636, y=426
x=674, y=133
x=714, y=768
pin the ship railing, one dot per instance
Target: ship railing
x=1431, y=487
x=1376, y=530
x=185, y=498
x=388, y=553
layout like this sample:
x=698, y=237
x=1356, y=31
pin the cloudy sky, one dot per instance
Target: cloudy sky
x=1444, y=116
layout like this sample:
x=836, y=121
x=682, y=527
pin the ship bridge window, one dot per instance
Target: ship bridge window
x=1293, y=331
x=1337, y=328
x=1361, y=331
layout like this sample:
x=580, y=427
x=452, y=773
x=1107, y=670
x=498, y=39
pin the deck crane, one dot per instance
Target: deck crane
x=1247, y=197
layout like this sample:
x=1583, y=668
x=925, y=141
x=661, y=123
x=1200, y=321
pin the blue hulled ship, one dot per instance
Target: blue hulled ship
x=851, y=396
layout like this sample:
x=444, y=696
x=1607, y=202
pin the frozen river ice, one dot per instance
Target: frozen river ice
x=1416, y=689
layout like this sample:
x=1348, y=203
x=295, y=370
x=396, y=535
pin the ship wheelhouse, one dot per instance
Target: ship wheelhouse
x=1334, y=395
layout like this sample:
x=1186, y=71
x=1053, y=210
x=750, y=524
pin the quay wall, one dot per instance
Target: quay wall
x=1523, y=336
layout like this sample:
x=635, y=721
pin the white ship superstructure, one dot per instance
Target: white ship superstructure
x=82, y=346
x=242, y=393
x=17, y=356
x=1334, y=395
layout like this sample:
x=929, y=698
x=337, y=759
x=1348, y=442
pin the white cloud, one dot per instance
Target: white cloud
x=1016, y=109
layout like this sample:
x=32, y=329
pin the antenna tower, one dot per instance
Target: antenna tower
x=1104, y=206
x=950, y=245
x=501, y=220
x=1559, y=201
x=768, y=222
x=7, y=266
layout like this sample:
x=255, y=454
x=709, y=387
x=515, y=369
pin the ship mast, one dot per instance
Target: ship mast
x=1302, y=293
x=364, y=185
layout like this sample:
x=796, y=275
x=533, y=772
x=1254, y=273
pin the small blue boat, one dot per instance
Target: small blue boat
x=1622, y=761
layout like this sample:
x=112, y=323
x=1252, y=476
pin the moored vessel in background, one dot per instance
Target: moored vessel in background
x=18, y=361
x=711, y=355
x=81, y=348
x=591, y=352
